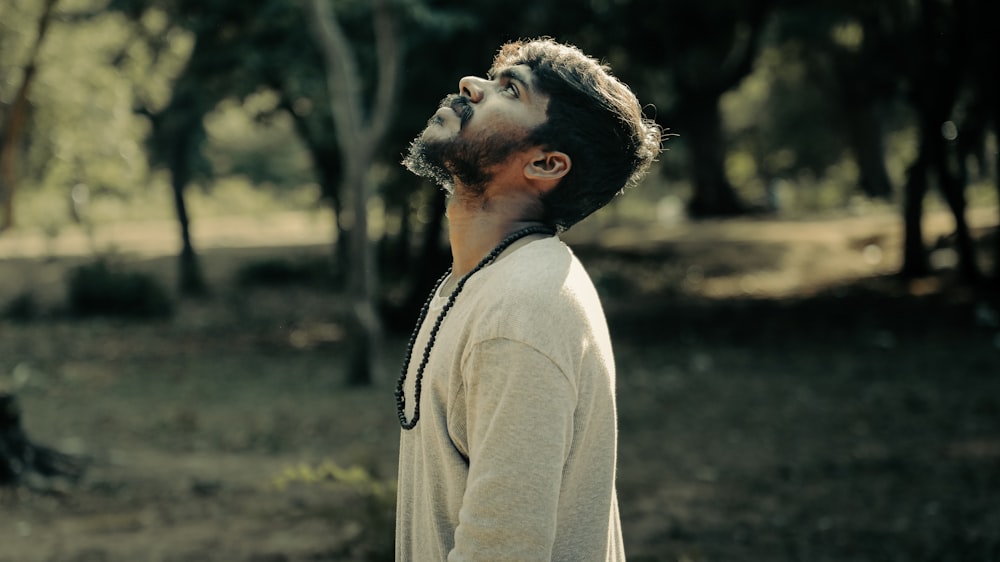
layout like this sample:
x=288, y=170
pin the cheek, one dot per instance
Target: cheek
x=501, y=125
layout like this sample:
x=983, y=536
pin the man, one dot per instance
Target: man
x=507, y=394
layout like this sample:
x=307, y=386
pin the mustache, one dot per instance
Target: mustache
x=460, y=105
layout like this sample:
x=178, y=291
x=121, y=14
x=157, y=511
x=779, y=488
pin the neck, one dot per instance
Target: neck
x=475, y=229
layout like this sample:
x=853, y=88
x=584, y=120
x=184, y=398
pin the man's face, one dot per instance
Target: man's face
x=478, y=129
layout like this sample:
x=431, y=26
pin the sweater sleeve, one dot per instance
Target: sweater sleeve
x=519, y=420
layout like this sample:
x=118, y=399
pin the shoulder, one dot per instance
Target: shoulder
x=540, y=287
x=542, y=272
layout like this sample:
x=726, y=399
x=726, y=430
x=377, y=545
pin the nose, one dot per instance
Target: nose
x=472, y=87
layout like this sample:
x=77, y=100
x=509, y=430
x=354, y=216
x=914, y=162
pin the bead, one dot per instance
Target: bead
x=400, y=393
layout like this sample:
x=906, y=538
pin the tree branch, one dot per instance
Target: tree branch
x=389, y=63
x=12, y=129
x=341, y=71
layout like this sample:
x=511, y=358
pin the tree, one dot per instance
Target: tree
x=13, y=127
x=360, y=130
x=982, y=110
x=938, y=48
x=847, y=49
x=315, y=126
x=934, y=56
x=177, y=130
x=705, y=49
x=175, y=143
x=233, y=56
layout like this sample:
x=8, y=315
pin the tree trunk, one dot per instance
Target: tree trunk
x=915, y=262
x=402, y=252
x=326, y=160
x=713, y=194
x=952, y=183
x=365, y=327
x=327, y=163
x=933, y=154
x=864, y=130
x=359, y=133
x=14, y=127
x=431, y=259
x=191, y=280
x=996, y=179
x=422, y=268
x=991, y=92
x=23, y=463
x=940, y=54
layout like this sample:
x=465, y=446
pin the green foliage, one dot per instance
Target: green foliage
x=779, y=117
x=98, y=289
x=331, y=474
x=84, y=127
x=233, y=92
x=256, y=140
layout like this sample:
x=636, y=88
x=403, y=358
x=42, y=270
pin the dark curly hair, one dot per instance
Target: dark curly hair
x=593, y=117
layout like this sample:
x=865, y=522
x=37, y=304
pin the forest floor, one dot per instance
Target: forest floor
x=781, y=398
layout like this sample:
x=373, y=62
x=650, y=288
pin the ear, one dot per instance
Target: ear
x=548, y=166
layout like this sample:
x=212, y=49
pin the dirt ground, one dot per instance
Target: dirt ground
x=780, y=399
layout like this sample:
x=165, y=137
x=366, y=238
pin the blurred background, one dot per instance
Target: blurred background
x=210, y=261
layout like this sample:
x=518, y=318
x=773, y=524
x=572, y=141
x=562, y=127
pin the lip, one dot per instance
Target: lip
x=462, y=109
x=459, y=105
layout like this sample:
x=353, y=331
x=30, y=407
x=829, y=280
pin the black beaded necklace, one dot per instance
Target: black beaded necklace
x=400, y=394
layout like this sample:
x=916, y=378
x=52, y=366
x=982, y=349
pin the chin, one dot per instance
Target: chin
x=435, y=133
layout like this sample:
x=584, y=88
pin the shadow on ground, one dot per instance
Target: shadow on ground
x=852, y=420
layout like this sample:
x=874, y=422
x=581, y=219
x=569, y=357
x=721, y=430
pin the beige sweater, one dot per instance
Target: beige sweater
x=514, y=454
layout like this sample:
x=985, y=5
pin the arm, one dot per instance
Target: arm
x=520, y=425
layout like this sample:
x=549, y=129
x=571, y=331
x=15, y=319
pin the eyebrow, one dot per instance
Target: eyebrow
x=516, y=74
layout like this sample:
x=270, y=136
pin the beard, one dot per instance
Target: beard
x=468, y=161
